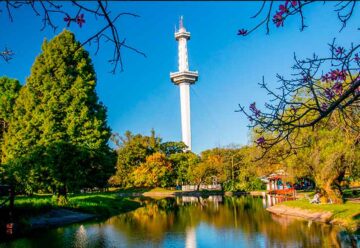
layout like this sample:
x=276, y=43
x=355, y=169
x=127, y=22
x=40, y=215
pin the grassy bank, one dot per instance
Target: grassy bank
x=347, y=214
x=103, y=204
x=100, y=204
x=42, y=211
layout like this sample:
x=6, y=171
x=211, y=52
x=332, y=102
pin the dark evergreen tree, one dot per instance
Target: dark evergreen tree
x=9, y=91
x=58, y=116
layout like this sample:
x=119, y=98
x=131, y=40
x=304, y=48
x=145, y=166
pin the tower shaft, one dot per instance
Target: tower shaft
x=185, y=113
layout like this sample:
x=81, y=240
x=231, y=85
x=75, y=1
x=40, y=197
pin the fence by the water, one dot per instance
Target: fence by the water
x=201, y=187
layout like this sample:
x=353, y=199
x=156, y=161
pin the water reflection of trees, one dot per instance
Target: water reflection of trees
x=245, y=214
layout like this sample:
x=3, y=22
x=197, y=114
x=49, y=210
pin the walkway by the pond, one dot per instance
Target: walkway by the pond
x=297, y=212
x=58, y=217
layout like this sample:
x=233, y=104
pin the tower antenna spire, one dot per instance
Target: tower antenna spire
x=181, y=24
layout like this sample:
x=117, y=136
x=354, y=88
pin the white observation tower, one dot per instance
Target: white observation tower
x=184, y=78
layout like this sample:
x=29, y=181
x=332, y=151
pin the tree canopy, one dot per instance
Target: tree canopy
x=146, y=161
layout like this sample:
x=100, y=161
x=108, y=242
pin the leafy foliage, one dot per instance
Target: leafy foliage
x=9, y=91
x=172, y=147
x=183, y=163
x=156, y=171
x=233, y=167
x=146, y=161
x=332, y=152
x=132, y=151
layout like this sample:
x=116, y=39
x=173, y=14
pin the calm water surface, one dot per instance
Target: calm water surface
x=193, y=222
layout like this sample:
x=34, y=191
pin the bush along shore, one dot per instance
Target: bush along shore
x=346, y=215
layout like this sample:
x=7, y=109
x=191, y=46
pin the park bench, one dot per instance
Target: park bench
x=289, y=191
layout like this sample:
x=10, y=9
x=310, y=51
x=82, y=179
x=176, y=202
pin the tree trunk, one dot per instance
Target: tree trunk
x=62, y=196
x=332, y=188
x=333, y=194
x=198, y=185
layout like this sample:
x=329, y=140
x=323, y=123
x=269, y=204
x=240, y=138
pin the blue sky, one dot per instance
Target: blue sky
x=230, y=67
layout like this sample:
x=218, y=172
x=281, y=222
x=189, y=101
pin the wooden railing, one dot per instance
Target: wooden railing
x=201, y=187
x=290, y=191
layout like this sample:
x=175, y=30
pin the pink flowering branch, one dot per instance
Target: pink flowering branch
x=319, y=87
x=309, y=97
x=278, y=13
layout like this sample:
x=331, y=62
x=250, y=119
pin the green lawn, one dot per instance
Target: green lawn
x=102, y=204
x=347, y=214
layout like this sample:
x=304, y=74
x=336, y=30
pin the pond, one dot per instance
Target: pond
x=190, y=222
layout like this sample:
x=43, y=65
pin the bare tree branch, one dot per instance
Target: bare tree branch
x=51, y=12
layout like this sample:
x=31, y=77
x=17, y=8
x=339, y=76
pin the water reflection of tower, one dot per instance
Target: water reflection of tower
x=190, y=238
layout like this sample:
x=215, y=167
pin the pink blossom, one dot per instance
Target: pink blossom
x=294, y=109
x=325, y=78
x=338, y=88
x=283, y=9
x=80, y=20
x=336, y=75
x=242, y=32
x=67, y=19
x=278, y=19
x=253, y=109
x=324, y=107
x=339, y=50
x=293, y=3
x=306, y=78
x=329, y=93
x=260, y=141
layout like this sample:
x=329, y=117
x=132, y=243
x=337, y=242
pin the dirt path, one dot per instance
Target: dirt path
x=58, y=217
x=298, y=212
x=355, y=200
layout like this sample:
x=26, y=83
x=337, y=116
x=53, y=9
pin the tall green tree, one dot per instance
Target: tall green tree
x=182, y=163
x=58, y=115
x=172, y=147
x=9, y=91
